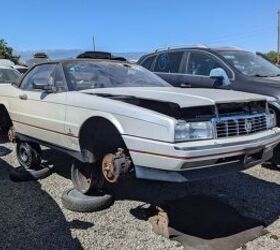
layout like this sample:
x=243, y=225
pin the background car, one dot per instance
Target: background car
x=193, y=67
x=21, y=68
x=225, y=67
x=38, y=57
x=100, y=55
x=8, y=75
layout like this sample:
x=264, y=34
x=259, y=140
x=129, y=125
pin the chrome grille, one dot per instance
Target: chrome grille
x=240, y=125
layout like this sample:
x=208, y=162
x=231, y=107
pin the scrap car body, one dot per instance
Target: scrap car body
x=169, y=134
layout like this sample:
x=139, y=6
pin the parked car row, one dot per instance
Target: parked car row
x=116, y=118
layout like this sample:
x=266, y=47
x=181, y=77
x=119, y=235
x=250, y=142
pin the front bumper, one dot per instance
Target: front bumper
x=199, y=159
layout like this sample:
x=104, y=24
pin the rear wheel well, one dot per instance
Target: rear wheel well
x=5, y=120
x=99, y=136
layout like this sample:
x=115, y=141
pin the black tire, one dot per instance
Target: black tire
x=28, y=155
x=75, y=201
x=21, y=174
x=86, y=177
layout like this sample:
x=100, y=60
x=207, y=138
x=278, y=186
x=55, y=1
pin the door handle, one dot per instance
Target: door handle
x=185, y=85
x=23, y=97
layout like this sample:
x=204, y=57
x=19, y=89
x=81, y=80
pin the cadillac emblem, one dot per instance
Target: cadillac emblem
x=248, y=126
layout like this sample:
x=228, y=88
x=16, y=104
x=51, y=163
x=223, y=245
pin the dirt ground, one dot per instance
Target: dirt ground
x=32, y=215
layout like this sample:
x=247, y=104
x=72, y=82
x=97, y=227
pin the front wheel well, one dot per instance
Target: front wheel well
x=99, y=136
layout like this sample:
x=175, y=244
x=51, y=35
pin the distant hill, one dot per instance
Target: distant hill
x=72, y=53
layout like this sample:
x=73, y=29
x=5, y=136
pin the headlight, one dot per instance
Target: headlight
x=188, y=131
x=270, y=120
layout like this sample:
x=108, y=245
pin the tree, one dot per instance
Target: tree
x=272, y=56
x=7, y=52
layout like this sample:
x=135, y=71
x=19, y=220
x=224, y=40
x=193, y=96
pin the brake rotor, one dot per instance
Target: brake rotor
x=12, y=134
x=110, y=171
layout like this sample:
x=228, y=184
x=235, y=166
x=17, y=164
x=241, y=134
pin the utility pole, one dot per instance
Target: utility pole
x=278, y=40
x=93, y=43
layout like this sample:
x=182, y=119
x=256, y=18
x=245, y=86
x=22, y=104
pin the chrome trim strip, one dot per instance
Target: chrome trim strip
x=232, y=143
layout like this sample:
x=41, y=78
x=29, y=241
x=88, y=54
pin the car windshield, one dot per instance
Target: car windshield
x=251, y=64
x=8, y=76
x=90, y=74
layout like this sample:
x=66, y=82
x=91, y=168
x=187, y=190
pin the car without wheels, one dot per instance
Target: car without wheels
x=116, y=118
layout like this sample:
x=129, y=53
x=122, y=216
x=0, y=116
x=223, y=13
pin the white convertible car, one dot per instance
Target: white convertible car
x=116, y=117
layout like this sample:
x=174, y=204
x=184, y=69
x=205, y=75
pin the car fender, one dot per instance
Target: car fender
x=110, y=117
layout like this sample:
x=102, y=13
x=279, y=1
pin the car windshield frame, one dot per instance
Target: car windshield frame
x=253, y=65
x=9, y=71
x=86, y=74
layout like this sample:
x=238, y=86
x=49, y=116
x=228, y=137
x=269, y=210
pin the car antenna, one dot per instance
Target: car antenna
x=93, y=43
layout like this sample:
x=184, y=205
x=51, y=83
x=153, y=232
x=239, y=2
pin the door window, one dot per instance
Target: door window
x=169, y=62
x=201, y=64
x=40, y=74
x=148, y=62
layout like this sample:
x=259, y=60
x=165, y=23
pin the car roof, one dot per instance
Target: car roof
x=199, y=47
x=6, y=67
x=6, y=62
x=214, y=50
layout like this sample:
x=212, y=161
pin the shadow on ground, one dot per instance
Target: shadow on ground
x=30, y=218
x=245, y=194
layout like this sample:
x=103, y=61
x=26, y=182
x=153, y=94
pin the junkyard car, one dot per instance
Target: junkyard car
x=116, y=117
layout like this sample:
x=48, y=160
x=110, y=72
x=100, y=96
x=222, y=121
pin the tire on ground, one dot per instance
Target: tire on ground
x=29, y=157
x=28, y=154
x=86, y=177
x=75, y=201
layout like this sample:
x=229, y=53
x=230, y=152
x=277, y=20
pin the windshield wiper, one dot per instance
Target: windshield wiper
x=259, y=75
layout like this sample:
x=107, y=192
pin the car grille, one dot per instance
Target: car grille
x=242, y=125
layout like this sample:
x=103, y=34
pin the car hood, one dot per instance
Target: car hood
x=274, y=79
x=266, y=81
x=183, y=97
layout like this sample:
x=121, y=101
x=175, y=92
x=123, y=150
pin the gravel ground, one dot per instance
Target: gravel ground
x=32, y=216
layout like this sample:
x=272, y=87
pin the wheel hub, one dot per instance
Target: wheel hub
x=109, y=170
x=113, y=165
x=23, y=154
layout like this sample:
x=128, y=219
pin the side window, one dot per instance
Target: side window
x=201, y=64
x=41, y=74
x=169, y=62
x=148, y=62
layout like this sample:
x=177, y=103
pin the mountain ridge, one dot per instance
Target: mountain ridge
x=72, y=53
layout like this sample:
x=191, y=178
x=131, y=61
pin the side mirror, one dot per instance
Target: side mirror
x=37, y=84
x=220, y=77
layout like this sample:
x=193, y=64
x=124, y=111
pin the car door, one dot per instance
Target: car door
x=197, y=69
x=168, y=67
x=39, y=113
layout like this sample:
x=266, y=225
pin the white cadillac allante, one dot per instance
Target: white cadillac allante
x=116, y=117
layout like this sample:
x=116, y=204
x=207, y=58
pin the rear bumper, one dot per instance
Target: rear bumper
x=196, y=160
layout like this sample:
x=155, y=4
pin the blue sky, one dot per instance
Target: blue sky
x=128, y=25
